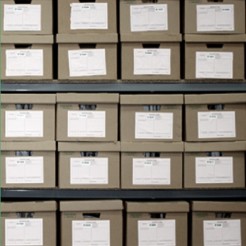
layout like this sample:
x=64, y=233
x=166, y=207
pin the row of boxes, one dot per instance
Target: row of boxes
x=126, y=165
x=94, y=117
x=101, y=223
x=136, y=17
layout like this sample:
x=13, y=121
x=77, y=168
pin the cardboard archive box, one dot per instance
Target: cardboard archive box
x=215, y=117
x=28, y=223
x=28, y=117
x=87, y=117
x=217, y=17
x=157, y=223
x=28, y=164
x=214, y=57
x=89, y=165
x=218, y=223
x=91, y=222
x=27, y=57
x=150, y=57
x=151, y=165
x=151, y=118
x=82, y=16
x=214, y=165
x=30, y=17
x=87, y=57
x=154, y=17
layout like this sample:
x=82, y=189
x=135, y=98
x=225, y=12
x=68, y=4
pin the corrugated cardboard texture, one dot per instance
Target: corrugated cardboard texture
x=38, y=149
x=191, y=17
x=64, y=17
x=173, y=14
x=173, y=211
x=45, y=103
x=127, y=62
x=46, y=17
x=113, y=165
x=190, y=58
x=39, y=210
x=110, y=56
x=208, y=211
x=191, y=121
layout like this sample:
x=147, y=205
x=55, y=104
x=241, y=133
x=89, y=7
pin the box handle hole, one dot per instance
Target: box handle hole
x=91, y=215
x=152, y=154
x=25, y=214
x=215, y=154
x=216, y=106
x=152, y=107
x=157, y=215
x=23, y=1
x=87, y=1
x=23, y=153
x=88, y=154
x=221, y=215
x=149, y=1
x=23, y=46
x=151, y=46
x=87, y=106
x=215, y=46
x=87, y=46
x=215, y=1
x=23, y=106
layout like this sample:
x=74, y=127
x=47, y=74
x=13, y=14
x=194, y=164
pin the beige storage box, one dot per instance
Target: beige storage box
x=151, y=165
x=215, y=17
x=214, y=165
x=150, y=57
x=28, y=164
x=27, y=57
x=218, y=223
x=151, y=118
x=87, y=57
x=28, y=223
x=28, y=117
x=87, y=117
x=91, y=223
x=214, y=57
x=157, y=223
x=215, y=117
x=82, y=16
x=89, y=165
x=154, y=17
x=33, y=17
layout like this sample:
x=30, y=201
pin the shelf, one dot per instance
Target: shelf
x=219, y=194
x=143, y=87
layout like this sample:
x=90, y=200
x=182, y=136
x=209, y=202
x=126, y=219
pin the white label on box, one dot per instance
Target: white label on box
x=214, y=65
x=214, y=170
x=89, y=16
x=91, y=232
x=87, y=62
x=89, y=170
x=22, y=17
x=222, y=233
x=152, y=61
x=86, y=124
x=156, y=232
x=215, y=17
x=153, y=125
x=217, y=124
x=155, y=171
x=149, y=17
x=24, y=170
x=24, y=62
x=22, y=232
x=24, y=123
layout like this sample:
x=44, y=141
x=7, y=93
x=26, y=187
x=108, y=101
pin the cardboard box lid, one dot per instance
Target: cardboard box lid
x=215, y=98
x=220, y=38
x=157, y=207
x=36, y=146
x=87, y=98
x=104, y=205
x=218, y=206
x=151, y=99
x=87, y=146
x=87, y=38
x=27, y=39
x=215, y=146
x=151, y=146
x=28, y=98
x=29, y=206
x=150, y=37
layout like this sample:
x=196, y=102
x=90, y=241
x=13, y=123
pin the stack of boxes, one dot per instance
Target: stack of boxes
x=150, y=40
x=214, y=39
x=87, y=40
x=27, y=40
